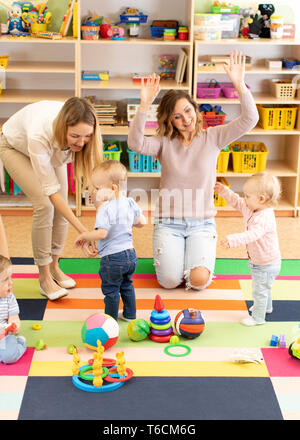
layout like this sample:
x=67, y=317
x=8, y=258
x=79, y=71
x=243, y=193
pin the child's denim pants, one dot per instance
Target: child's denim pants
x=12, y=349
x=115, y=272
x=262, y=280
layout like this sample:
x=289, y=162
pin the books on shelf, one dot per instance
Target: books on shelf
x=181, y=66
x=67, y=19
x=106, y=111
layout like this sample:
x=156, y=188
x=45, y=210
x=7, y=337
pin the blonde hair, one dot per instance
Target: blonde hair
x=165, y=111
x=77, y=110
x=115, y=171
x=5, y=263
x=267, y=185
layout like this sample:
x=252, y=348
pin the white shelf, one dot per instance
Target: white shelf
x=127, y=83
x=40, y=67
x=28, y=96
x=138, y=41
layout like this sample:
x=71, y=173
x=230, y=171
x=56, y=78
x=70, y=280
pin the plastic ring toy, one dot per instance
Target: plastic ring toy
x=85, y=368
x=107, y=362
x=160, y=327
x=109, y=378
x=164, y=314
x=160, y=321
x=160, y=338
x=162, y=332
x=92, y=389
x=188, y=350
x=36, y=326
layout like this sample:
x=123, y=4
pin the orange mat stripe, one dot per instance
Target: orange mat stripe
x=153, y=283
x=148, y=304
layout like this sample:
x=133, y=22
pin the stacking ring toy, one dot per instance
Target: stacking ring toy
x=188, y=350
x=110, y=378
x=36, y=326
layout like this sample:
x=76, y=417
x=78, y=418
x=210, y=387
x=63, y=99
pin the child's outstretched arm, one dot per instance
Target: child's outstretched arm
x=254, y=233
x=85, y=238
x=231, y=197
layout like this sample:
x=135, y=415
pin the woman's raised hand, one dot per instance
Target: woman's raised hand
x=149, y=91
x=236, y=70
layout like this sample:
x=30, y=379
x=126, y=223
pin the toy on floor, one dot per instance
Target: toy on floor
x=243, y=355
x=40, y=344
x=100, y=326
x=138, y=329
x=103, y=379
x=189, y=323
x=161, y=329
x=171, y=346
x=294, y=349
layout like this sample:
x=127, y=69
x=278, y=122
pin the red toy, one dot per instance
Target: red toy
x=11, y=328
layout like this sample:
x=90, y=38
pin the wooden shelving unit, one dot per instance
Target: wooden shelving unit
x=69, y=56
x=287, y=165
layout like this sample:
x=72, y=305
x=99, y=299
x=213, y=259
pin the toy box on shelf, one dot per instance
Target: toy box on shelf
x=277, y=117
x=249, y=157
x=132, y=108
x=218, y=200
x=211, y=116
x=223, y=160
x=158, y=28
x=95, y=75
x=222, y=8
x=112, y=150
x=283, y=88
x=139, y=163
x=167, y=66
x=207, y=26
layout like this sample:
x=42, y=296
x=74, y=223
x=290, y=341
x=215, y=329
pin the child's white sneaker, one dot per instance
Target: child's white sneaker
x=22, y=338
x=123, y=318
x=250, y=322
x=267, y=311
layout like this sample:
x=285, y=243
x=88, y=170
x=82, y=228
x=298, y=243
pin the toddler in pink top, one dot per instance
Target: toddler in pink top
x=261, y=193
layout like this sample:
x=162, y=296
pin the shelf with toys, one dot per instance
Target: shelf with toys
x=275, y=91
x=152, y=46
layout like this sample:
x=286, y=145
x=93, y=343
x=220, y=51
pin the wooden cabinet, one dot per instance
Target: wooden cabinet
x=51, y=69
x=283, y=145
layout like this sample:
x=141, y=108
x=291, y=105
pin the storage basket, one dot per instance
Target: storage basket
x=223, y=160
x=4, y=61
x=225, y=9
x=283, y=88
x=112, y=155
x=277, y=117
x=219, y=201
x=158, y=31
x=252, y=160
x=139, y=163
x=211, y=120
x=229, y=91
x=208, y=90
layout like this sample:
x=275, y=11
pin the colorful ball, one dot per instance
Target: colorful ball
x=102, y=327
x=189, y=323
x=138, y=329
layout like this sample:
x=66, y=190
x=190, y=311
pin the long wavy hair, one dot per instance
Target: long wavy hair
x=74, y=111
x=166, y=109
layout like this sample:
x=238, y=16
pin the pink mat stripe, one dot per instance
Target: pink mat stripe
x=280, y=363
x=20, y=368
x=90, y=276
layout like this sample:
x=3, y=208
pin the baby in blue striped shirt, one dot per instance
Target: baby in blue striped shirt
x=12, y=347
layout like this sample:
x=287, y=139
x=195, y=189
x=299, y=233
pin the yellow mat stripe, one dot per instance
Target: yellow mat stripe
x=163, y=369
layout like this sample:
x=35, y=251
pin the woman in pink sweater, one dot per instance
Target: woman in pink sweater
x=184, y=236
x=261, y=193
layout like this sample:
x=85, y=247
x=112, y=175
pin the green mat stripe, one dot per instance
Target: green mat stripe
x=224, y=266
x=216, y=334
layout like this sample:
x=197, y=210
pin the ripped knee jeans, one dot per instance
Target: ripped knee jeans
x=181, y=245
